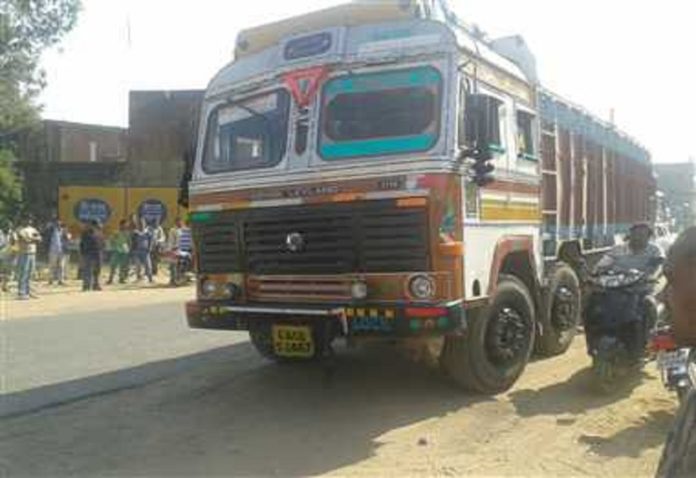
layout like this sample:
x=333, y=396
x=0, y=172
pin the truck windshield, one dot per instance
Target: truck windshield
x=380, y=113
x=247, y=135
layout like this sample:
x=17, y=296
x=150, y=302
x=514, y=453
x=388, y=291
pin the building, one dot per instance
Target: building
x=676, y=181
x=60, y=152
x=149, y=154
x=162, y=125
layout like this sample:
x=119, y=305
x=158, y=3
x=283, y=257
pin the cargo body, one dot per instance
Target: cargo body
x=341, y=189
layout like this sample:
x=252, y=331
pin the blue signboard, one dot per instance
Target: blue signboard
x=88, y=210
x=310, y=45
x=153, y=211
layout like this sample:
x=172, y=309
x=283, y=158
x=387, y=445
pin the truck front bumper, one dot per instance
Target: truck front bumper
x=363, y=320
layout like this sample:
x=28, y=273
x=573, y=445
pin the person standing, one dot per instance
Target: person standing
x=120, y=253
x=91, y=251
x=27, y=239
x=10, y=257
x=679, y=454
x=142, y=243
x=159, y=242
x=5, y=254
x=58, y=243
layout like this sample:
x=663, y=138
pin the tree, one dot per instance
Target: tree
x=27, y=28
x=10, y=187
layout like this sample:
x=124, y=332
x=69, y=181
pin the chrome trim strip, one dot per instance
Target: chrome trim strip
x=272, y=310
x=368, y=196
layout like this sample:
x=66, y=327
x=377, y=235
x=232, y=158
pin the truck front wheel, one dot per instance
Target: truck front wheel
x=499, y=340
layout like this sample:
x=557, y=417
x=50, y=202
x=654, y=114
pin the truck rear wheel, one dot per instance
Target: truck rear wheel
x=562, y=315
x=499, y=340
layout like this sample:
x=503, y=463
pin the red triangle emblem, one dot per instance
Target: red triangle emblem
x=304, y=84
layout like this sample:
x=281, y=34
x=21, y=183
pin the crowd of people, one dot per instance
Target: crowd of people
x=135, y=249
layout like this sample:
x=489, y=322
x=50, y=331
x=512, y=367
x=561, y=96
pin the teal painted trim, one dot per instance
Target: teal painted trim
x=496, y=148
x=426, y=76
x=529, y=157
x=376, y=147
x=201, y=217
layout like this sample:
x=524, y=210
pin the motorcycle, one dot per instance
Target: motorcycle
x=677, y=365
x=618, y=319
x=183, y=266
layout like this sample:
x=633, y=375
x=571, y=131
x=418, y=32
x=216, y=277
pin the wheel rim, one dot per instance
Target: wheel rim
x=507, y=337
x=563, y=310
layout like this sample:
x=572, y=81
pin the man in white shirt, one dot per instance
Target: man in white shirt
x=28, y=238
x=58, y=239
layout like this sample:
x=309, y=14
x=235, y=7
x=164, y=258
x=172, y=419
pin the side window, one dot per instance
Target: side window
x=501, y=147
x=525, y=136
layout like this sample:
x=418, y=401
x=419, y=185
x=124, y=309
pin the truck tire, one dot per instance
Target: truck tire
x=262, y=341
x=498, y=342
x=563, y=305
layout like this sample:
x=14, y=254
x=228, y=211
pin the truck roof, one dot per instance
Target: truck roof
x=255, y=39
x=388, y=26
x=383, y=27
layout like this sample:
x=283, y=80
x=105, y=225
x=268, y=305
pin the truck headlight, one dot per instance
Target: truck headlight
x=208, y=288
x=422, y=287
x=232, y=290
x=211, y=289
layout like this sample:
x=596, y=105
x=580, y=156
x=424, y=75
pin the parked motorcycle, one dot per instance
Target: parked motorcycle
x=677, y=365
x=183, y=266
x=618, y=318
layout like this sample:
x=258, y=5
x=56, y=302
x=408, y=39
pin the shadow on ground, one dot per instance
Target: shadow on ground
x=648, y=433
x=50, y=396
x=225, y=412
x=576, y=395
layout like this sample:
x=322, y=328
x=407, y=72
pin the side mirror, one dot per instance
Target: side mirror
x=481, y=136
x=188, y=159
x=481, y=124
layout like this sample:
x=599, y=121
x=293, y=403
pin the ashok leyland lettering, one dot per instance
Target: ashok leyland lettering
x=370, y=171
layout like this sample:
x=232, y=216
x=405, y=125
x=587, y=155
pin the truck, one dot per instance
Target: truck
x=381, y=171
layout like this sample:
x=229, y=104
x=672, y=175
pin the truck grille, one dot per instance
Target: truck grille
x=279, y=288
x=217, y=245
x=371, y=236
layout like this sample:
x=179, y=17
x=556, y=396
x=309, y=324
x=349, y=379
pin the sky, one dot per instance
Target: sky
x=635, y=57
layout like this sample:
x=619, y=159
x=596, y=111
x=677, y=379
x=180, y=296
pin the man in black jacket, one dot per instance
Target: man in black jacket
x=679, y=456
x=91, y=250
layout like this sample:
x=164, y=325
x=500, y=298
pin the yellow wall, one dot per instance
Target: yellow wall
x=117, y=203
x=167, y=197
x=75, y=200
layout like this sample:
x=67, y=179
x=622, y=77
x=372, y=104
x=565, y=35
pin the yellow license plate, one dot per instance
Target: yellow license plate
x=293, y=341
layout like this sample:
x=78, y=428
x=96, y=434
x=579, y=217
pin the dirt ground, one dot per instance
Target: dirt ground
x=382, y=415
x=550, y=424
x=236, y=414
x=54, y=300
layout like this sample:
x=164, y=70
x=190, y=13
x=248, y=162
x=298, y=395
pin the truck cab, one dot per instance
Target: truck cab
x=373, y=171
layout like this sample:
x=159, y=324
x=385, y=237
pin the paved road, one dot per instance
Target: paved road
x=131, y=391
x=69, y=355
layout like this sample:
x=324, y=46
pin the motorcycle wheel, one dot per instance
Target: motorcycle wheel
x=682, y=393
x=604, y=375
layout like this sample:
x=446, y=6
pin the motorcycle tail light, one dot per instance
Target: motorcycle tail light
x=663, y=342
